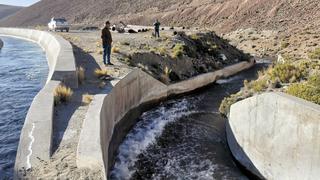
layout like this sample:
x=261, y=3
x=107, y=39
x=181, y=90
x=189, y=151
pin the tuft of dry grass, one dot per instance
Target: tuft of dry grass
x=87, y=99
x=115, y=49
x=102, y=84
x=81, y=74
x=178, y=50
x=62, y=94
x=315, y=54
x=101, y=73
x=167, y=71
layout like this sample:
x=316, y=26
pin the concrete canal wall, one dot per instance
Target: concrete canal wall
x=36, y=135
x=61, y=61
x=111, y=116
x=276, y=136
x=1, y=44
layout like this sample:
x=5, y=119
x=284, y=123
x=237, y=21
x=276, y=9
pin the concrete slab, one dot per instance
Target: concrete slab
x=276, y=136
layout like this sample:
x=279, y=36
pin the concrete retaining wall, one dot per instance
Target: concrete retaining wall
x=276, y=136
x=110, y=117
x=1, y=44
x=36, y=135
x=61, y=61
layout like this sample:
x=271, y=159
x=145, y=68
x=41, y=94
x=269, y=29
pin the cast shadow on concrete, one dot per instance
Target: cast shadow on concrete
x=65, y=113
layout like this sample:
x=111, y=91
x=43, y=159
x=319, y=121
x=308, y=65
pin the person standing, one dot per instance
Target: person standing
x=157, y=28
x=106, y=44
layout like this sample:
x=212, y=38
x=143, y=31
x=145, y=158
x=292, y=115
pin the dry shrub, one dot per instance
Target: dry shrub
x=167, y=71
x=81, y=74
x=87, y=99
x=178, y=50
x=315, y=54
x=115, y=50
x=102, y=84
x=309, y=90
x=101, y=73
x=62, y=94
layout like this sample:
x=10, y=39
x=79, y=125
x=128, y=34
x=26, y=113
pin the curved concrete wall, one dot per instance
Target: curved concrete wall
x=276, y=136
x=1, y=44
x=61, y=61
x=36, y=135
x=111, y=116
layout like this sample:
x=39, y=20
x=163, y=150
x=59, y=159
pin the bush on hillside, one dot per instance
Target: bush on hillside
x=315, y=54
x=309, y=90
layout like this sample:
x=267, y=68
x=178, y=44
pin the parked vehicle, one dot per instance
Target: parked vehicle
x=57, y=24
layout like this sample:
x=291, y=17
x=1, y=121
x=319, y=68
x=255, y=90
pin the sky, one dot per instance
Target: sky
x=18, y=2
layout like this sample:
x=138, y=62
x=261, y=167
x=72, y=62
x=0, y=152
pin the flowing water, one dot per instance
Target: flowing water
x=23, y=72
x=182, y=138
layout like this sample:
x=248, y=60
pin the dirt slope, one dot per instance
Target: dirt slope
x=221, y=15
x=6, y=10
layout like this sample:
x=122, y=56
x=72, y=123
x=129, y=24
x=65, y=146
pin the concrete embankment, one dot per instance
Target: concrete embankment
x=36, y=135
x=1, y=44
x=111, y=116
x=276, y=136
x=61, y=61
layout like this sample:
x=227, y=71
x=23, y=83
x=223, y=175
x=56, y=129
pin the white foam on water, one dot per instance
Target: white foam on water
x=228, y=80
x=144, y=134
x=196, y=170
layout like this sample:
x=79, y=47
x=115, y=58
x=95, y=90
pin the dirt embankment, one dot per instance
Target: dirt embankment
x=182, y=56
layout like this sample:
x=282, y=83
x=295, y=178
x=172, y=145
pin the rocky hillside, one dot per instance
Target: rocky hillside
x=220, y=15
x=6, y=10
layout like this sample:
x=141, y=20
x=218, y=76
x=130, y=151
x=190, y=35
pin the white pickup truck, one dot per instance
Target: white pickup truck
x=58, y=24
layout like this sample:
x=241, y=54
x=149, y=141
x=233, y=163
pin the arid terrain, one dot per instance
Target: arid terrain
x=219, y=15
x=286, y=32
x=6, y=10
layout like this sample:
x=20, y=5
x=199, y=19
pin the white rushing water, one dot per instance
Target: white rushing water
x=144, y=134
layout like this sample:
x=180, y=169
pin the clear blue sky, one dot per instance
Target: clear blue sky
x=19, y=2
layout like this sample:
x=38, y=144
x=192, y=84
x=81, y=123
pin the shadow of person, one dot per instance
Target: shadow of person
x=68, y=117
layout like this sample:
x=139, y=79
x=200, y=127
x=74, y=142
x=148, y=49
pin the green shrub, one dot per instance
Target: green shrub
x=315, y=54
x=227, y=102
x=286, y=73
x=178, y=50
x=284, y=45
x=309, y=90
x=162, y=51
x=259, y=85
x=195, y=37
x=309, y=65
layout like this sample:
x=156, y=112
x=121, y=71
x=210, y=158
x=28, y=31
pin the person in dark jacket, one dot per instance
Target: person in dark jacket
x=106, y=43
x=157, y=28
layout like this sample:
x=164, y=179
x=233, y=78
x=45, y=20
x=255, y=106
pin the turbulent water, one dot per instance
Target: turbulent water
x=23, y=72
x=182, y=138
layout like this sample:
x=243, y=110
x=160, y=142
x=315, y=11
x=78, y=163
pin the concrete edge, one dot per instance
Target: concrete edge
x=36, y=135
x=207, y=78
x=148, y=91
x=1, y=44
x=240, y=150
x=59, y=52
x=88, y=148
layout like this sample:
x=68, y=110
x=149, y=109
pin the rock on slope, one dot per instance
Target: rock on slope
x=6, y=10
x=221, y=15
